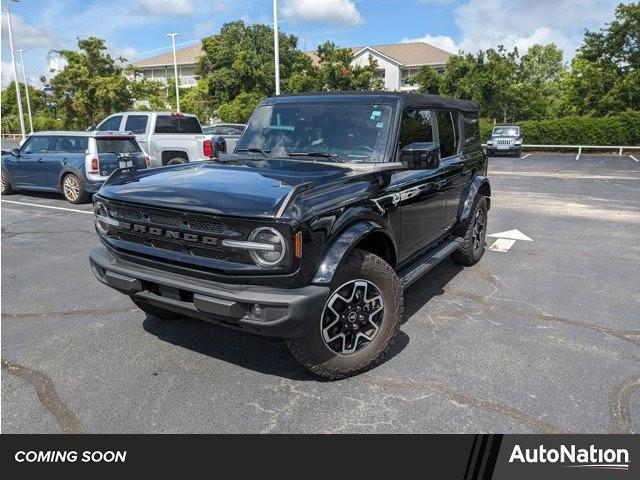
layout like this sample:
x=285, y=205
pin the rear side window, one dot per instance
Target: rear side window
x=37, y=145
x=471, y=129
x=416, y=126
x=111, y=124
x=69, y=144
x=177, y=124
x=136, y=123
x=117, y=145
x=447, y=122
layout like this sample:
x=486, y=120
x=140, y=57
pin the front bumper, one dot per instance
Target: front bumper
x=282, y=312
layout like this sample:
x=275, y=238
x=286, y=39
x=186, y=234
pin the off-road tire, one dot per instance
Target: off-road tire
x=82, y=195
x=466, y=254
x=312, y=352
x=6, y=185
x=156, y=312
x=177, y=161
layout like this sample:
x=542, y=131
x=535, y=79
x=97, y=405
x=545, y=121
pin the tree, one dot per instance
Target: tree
x=41, y=113
x=335, y=71
x=427, y=79
x=240, y=108
x=93, y=85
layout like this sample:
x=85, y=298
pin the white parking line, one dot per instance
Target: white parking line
x=527, y=155
x=46, y=206
x=634, y=158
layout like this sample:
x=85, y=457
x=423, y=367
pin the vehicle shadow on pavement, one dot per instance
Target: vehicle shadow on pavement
x=261, y=354
x=429, y=286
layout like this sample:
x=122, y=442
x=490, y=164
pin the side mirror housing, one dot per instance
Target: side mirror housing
x=15, y=152
x=219, y=146
x=421, y=155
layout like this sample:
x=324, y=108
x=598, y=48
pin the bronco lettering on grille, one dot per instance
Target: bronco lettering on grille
x=173, y=234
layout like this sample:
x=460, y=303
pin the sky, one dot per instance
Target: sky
x=137, y=28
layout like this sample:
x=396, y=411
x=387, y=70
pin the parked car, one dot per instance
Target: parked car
x=73, y=163
x=505, y=139
x=330, y=207
x=169, y=138
x=229, y=133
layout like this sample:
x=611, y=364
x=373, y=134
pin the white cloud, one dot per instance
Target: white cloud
x=441, y=41
x=326, y=11
x=522, y=23
x=55, y=64
x=204, y=28
x=126, y=52
x=27, y=36
x=167, y=8
x=6, y=74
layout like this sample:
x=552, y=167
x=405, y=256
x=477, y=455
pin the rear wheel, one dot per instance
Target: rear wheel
x=6, y=185
x=154, y=311
x=73, y=189
x=359, y=321
x=473, y=245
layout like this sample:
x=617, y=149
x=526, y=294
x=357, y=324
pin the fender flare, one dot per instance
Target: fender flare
x=479, y=183
x=341, y=247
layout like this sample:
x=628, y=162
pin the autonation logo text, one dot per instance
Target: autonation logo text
x=592, y=457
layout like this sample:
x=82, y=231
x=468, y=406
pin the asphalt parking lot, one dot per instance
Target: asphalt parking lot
x=542, y=337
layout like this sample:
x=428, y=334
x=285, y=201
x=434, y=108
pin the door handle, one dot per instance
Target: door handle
x=64, y=161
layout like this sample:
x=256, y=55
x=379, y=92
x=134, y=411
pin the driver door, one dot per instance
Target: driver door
x=29, y=168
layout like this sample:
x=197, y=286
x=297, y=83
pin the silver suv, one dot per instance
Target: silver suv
x=505, y=139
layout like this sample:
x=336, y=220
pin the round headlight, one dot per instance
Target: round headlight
x=101, y=215
x=268, y=236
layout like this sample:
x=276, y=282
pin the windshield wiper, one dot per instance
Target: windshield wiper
x=254, y=150
x=331, y=156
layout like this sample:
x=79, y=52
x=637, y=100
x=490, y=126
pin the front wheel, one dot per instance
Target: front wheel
x=73, y=189
x=6, y=185
x=358, y=323
x=473, y=244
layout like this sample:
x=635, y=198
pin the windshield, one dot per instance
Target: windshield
x=339, y=131
x=506, y=131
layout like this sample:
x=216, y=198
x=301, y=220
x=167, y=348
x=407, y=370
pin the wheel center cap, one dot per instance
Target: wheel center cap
x=352, y=317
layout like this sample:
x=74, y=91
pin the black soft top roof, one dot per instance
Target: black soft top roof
x=411, y=100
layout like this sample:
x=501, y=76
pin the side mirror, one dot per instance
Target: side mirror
x=15, y=152
x=421, y=155
x=219, y=146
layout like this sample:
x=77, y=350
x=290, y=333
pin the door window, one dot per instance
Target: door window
x=471, y=129
x=416, y=126
x=69, y=144
x=111, y=124
x=136, y=123
x=447, y=123
x=37, y=145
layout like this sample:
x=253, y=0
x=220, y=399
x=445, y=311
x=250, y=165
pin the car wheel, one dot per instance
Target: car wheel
x=358, y=323
x=6, y=185
x=491, y=153
x=154, y=311
x=73, y=189
x=473, y=244
x=177, y=161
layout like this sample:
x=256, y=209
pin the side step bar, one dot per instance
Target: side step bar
x=416, y=269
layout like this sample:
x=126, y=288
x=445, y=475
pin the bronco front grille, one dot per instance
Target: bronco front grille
x=176, y=231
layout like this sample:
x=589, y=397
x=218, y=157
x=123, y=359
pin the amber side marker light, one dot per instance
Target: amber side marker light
x=297, y=244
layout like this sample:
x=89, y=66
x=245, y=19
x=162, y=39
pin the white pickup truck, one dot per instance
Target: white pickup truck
x=168, y=138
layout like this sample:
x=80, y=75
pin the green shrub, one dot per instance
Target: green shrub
x=621, y=129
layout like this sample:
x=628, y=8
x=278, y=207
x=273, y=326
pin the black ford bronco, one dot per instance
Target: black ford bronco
x=329, y=207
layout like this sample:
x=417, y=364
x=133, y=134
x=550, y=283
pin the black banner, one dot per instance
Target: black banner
x=456, y=457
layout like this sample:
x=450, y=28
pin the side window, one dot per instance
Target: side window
x=69, y=144
x=177, y=124
x=112, y=123
x=471, y=129
x=447, y=122
x=416, y=126
x=136, y=123
x=37, y=145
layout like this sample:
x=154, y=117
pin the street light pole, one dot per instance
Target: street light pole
x=276, y=45
x=175, y=68
x=15, y=70
x=26, y=88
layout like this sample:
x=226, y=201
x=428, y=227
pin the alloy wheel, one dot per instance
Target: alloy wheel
x=71, y=188
x=478, y=230
x=352, y=316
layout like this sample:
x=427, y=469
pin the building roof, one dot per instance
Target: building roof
x=184, y=56
x=407, y=54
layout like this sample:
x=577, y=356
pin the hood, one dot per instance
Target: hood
x=238, y=187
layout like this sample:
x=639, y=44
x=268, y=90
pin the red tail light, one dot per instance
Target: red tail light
x=95, y=165
x=207, y=148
